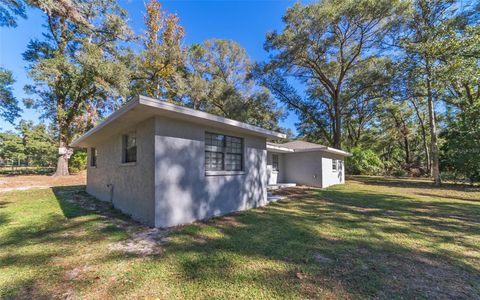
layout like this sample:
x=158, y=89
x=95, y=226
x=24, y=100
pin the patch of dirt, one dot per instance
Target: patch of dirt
x=298, y=192
x=26, y=182
x=86, y=202
x=321, y=259
x=227, y=221
x=142, y=242
x=76, y=273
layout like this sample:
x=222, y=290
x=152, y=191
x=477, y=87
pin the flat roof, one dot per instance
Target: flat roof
x=302, y=146
x=141, y=108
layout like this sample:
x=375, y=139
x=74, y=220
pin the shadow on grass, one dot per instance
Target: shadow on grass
x=360, y=258
x=37, y=244
x=55, y=228
x=413, y=183
x=318, y=243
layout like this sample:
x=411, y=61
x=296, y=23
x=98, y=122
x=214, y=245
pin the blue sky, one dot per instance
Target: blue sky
x=246, y=22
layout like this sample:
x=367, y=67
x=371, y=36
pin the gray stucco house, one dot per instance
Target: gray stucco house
x=167, y=165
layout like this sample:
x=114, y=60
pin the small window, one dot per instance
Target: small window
x=275, y=162
x=93, y=157
x=129, y=148
x=334, y=165
x=223, y=153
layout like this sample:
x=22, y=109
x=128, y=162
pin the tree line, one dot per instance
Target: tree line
x=394, y=82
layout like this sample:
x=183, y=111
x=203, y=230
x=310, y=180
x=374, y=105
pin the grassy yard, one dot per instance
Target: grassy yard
x=370, y=238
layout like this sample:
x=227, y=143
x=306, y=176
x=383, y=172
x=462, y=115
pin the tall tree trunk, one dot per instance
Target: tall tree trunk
x=433, y=128
x=337, y=134
x=63, y=155
x=424, y=136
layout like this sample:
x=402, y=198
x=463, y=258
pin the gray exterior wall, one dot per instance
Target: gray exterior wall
x=312, y=169
x=167, y=186
x=133, y=183
x=303, y=168
x=184, y=193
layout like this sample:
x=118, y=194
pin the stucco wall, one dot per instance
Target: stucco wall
x=303, y=168
x=184, y=193
x=133, y=184
x=330, y=177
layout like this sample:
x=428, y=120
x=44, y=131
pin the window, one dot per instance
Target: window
x=223, y=152
x=334, y=165
x=93, y=157
x=129, y=148
x=275, y=162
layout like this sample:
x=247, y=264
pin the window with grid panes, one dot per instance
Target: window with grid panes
x=334, y=165
x=223, y=152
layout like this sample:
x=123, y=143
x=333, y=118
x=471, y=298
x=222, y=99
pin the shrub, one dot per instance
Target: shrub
x=364, y=162
x=78, y=161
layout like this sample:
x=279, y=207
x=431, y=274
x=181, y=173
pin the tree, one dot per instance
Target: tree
x=459, y=68
x=430, y=22
x=159, y=72
x=459, y=72
x=329, y=46
x=9, y=109
x=461, y=151
x=11, y=147
x=10, y=10
x=76, y=70
x=220, y=81
x=38, y=143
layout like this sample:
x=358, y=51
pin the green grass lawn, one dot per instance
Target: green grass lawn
x=370, y=238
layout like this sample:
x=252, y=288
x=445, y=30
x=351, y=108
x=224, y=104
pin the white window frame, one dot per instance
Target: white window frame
x=334, y=166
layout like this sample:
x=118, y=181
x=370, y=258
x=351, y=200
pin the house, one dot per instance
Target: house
x=166, y=165
x=305, y=163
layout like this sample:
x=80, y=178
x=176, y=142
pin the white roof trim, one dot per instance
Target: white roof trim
x=279, y=148
x=176, y=109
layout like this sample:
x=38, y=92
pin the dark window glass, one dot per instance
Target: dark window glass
x=213, y=139
x=223, y=153
x=129, y=148
x=334, y=165
x=93, y=157
x=213, y=161
x=275, y=162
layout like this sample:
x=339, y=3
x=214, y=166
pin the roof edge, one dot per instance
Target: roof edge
x=152, y=102
x=122, y=110
x=169, y=107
